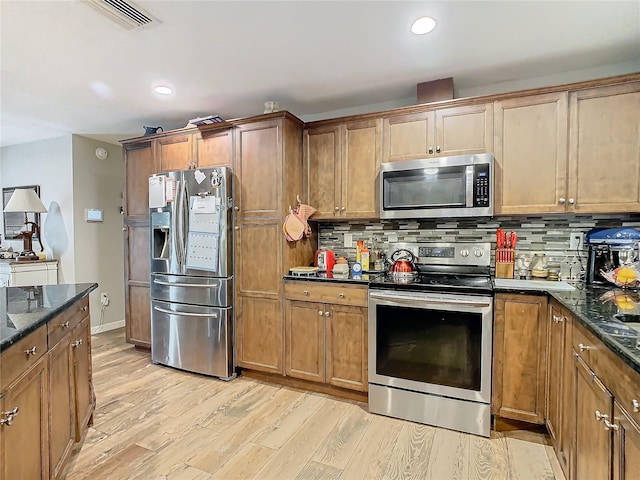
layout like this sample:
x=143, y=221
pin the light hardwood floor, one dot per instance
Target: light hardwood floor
x=154, y=423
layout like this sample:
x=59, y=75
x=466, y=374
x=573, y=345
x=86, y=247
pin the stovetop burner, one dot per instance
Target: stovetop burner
x=437, y=282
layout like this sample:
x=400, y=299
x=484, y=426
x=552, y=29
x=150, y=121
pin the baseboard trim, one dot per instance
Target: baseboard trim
x=107, y=326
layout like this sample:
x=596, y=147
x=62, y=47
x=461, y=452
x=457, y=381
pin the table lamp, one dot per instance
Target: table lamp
x=26, y=200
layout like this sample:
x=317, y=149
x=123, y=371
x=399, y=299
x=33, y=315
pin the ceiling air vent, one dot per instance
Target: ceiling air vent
x=125, y=14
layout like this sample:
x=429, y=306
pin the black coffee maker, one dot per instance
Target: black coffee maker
x=609, y=248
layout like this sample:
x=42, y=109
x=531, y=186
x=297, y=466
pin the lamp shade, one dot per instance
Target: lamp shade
x=25, y=200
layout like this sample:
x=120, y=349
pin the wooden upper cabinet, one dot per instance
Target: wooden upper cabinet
x=259, y=169
x=174, y=152
x=604, y=149
x=361, y=156
x=464, y=130
x=322, y=172
x=409, y=137
x=214, y=149
x=520, y=357
x=139, y=164
x=531, y=136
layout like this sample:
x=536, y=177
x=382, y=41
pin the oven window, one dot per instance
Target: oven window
x=430, y=346
x=426, y=188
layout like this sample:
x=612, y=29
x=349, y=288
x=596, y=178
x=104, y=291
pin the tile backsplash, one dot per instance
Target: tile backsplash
x=546, y=234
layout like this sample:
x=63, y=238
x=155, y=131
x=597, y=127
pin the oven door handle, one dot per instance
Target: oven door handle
x=430, y=301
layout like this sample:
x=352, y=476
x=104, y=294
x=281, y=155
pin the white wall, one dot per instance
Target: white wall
x=99, y=251
x=47, y=163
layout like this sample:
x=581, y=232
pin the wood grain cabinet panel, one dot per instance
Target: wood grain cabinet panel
x=555, y=364
x=24, y=445
x=82, y=372
x=594, y=405
x=323, y=175
x=409, y=137
x=138, y=310
x=346, y=347
x=139, y=164
x=258, y=269
x=531, y=137
x=305, y=340
x=464, y=130
x=214, y=149
x=604, y=149
x=137, y=291
x=174, y=152
x=626, y=445
x=259, y=335
x=520, y=336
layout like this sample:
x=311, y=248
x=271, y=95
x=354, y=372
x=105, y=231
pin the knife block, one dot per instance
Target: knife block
x=504, y=262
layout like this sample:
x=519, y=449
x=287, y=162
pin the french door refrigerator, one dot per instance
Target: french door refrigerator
x=191, y=262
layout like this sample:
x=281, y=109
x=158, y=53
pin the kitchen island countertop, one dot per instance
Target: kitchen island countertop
x=24, y=309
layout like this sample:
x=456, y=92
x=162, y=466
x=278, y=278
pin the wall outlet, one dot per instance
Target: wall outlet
x=104, y=298
x=348, y=240
x=575, y=241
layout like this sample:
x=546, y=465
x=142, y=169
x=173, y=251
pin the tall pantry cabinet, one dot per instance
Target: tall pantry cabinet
x=268, y=168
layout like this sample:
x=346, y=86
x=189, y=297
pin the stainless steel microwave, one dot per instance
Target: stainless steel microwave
x=460, y=186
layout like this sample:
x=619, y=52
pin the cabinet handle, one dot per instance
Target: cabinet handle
x=561, y=200
x=635, y=405
x=337, y=208
x=610, y=426
x=237, y=209
x=326, y=314
x=558, y=319
x=583, y=347
x=343, y=208
x=9, y=416
x=437, y=149
x=341, y=295
x=85, y=308
x=77, y=343
x=236, y=228
x=320, y=312
x=124, y=229
x=430, y=150
x=600, y=416
x=571, y=201
x=306, y=292
x=65, y=324
x=31, y=351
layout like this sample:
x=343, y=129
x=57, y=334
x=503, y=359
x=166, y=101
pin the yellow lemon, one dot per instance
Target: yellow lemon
x=624, y=302
x=626, y=275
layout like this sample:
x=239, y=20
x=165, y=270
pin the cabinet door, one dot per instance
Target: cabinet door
x=214, y=149
x=626, y=445
x=24, y=445
x=174, y=153
x=62, y=421
x=464, y=130
x=604, y=149
x=531, y=137
x=520, y=357
x=346, y=353
x=322, y=169
x=566, y=447
x=304, y=340
x=137, y=294
x=259, y=320
x=361, y=155
x=555, y=358
x=139, y=164
x=593, y=441
x=409, y=137
x=84, y=398
x=259, y=169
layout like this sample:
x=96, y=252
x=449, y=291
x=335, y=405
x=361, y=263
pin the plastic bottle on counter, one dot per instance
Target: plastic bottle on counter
x=364, y=257
x=359, y=246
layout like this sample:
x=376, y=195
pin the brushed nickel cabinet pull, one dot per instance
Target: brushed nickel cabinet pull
x=85, y=308
x=610, y=426
x=561, y=200
x=9, y=416
x=341, y=295
x=430, y=150
x=600, y=416
x=635, y=405
x=306, y=292
x=320, y=312
x=571, y=201
x=77, y=343
x=31, y=351
x=437, y=149
x=326, y=314
x=65, y=324
x=583, y=347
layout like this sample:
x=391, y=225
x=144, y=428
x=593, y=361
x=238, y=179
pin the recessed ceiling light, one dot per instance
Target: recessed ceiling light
x=163, y=90
x=423, y=25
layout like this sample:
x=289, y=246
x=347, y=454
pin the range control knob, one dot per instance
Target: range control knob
x=478, y=253
x=464, y=252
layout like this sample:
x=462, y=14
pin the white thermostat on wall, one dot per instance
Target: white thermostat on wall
x=93, y=215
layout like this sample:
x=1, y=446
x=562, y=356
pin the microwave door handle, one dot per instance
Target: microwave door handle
x=469, y=185
x=413, y=301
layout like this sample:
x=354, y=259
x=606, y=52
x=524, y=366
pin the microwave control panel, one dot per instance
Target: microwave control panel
x=481, y=189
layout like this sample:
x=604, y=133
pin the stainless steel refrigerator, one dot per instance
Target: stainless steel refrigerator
x=192, y=270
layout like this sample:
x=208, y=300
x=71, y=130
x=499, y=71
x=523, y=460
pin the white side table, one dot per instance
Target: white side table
x=20, y=274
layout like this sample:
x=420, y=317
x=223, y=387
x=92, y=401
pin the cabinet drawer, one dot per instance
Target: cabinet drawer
x=59, y=326
x=326, y=293
x=626, y=388
x=14, y=361
x=586, y=344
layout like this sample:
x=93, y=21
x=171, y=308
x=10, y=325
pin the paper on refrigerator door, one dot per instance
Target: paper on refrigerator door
x=204, y=215
x=199, y=176
x=170, y=189
x=157, y=198
x=206, y=204
x=202, y=251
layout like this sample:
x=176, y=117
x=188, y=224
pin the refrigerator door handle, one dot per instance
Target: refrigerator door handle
x=174, y=231
x=175, y=284
x=185, y=314
x=184, y=219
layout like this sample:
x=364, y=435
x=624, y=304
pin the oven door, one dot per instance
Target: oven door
x=432, y=343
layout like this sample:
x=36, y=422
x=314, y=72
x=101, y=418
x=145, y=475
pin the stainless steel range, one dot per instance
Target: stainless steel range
x=430, y=338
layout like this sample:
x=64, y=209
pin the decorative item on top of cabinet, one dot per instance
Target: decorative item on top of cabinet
x=531, y=137
x=604, y=149
x=342, y=163
x=442, y=132
x=519, y=359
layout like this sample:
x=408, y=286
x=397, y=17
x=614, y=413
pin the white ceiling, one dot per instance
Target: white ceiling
x=67, y=69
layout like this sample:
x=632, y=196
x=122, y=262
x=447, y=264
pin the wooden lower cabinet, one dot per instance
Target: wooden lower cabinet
x=82, y=373
x=137, y=285
x=24, y=442
x=626, y=445
x=555, y=363
x=305, y=340
x=519, y=361
x=259, y=330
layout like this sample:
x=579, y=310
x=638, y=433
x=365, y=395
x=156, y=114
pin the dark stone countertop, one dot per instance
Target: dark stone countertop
x=363, y=279
x=24, y=309
x=595, y=307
